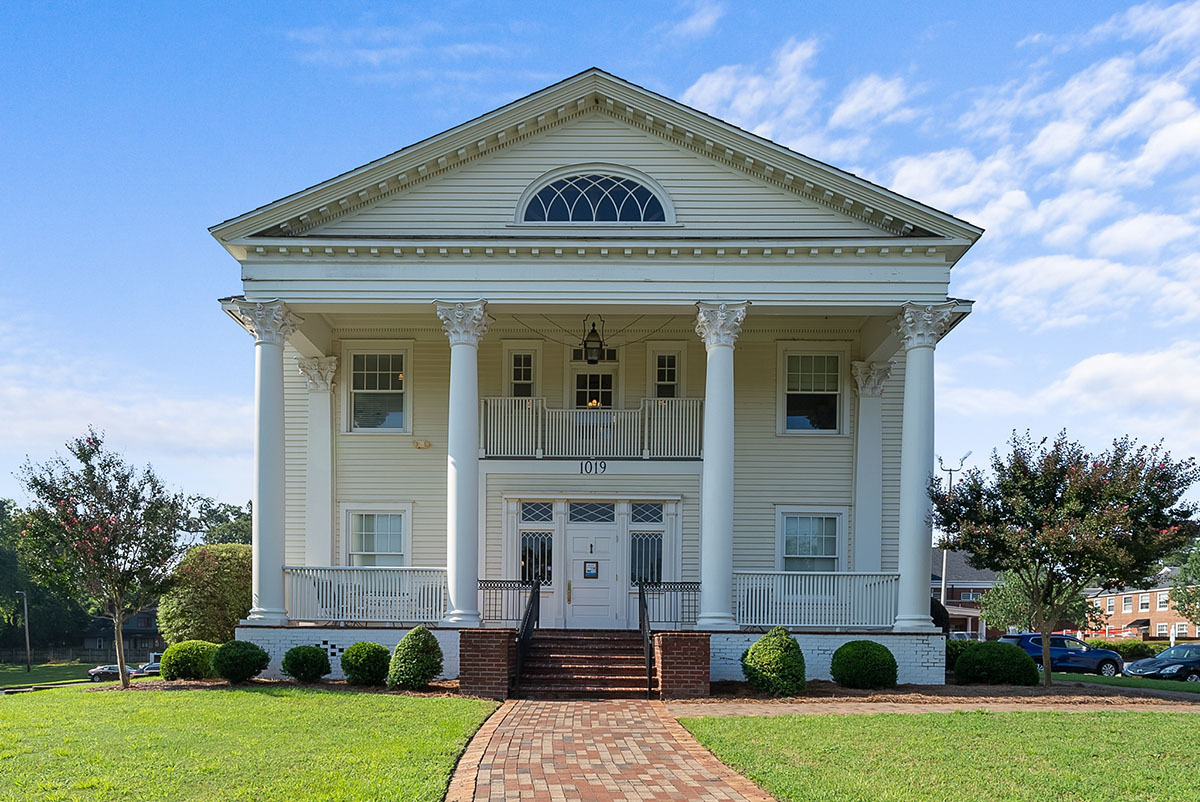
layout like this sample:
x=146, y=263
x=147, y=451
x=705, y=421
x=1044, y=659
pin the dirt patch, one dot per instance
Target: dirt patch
x=437, y=688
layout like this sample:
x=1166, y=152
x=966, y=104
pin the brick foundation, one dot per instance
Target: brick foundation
x=486, y=662
x=335, y=640
x=681, y=664
x=920, y=657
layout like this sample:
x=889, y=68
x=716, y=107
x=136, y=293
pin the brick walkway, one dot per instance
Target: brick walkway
x=611, y=750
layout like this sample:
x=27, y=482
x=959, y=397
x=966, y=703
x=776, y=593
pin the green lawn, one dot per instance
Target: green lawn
x=1131, y=682
x=980, y=756
x=12, y=675
x=280, y=743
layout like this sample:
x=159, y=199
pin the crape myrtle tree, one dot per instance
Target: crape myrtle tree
x=1057, y=519
x=1185, y=589
x=102, y=527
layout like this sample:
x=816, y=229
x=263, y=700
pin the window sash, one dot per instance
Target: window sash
x=1144, y=602
x=1163, y=602
x=536, y=557
x=812, y=390
x=1127, y=604
x=1111, y=604
x=1163, y=628
x=809, y=541
x=378, y=538
x=378, y=391
x=521, y=374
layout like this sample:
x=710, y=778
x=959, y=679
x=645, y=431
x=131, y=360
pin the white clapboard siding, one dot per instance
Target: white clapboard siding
x=893, y=414
x=709, y=197
x=295, y=454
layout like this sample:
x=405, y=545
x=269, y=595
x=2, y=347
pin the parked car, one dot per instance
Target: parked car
x=1068, y=654
x=1180, y=662
x=146, y=669
x=102, y=673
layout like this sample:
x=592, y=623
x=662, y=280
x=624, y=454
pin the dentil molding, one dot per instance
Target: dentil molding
x=720, y=323
x=464, y=322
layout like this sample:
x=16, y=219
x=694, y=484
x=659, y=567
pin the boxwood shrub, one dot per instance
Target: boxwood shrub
x=306, y=663
x=189, y=659
x=366, y=663
x=996, y=663
x=954, y=648
x=1129, y=650
x=774, y=664
x=416, y=661
x=864, y=664
x=239, y=660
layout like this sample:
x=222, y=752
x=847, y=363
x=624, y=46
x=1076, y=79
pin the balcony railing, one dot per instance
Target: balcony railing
x=810, y=599
x=375, y=595
x=660, y=428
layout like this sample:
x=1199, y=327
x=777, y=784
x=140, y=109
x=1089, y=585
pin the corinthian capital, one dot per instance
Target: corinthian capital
x=719, y=324
x=923, y=324
x=464, y=322
x=319, y=371
x=871, y=377
x=269, y=321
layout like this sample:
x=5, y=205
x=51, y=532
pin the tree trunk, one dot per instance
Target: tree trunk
x=1046, y=678
x=118, y=627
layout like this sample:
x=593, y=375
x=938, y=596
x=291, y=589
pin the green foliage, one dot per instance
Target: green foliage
x=864, y=664
x=56, y=618
x=774, y=664
x=209, y=594
x=1007, y=604
x=416, y=661
x=1185, y=590
x=1057, y=519
x=239, y=660
x=954, y=648
x=189, y=659
x=1129, y=650
x=306, y=663
x=224, y=523
x=995, y=663
x=366, y=663
x=940, y=615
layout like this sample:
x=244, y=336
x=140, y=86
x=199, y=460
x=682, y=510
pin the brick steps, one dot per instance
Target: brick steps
x=585, y=664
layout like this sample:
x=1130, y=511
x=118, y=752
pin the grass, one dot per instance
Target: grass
x=14, y=675
x=1131, y=682
x=981, y=756
x=281, y=743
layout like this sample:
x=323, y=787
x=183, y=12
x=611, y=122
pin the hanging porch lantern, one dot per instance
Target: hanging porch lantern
x=593, y=346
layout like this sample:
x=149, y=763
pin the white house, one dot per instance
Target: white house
x=590, y=339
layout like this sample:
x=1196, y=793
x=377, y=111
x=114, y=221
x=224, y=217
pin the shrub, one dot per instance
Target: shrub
x=996, y=663
x=1129, y=650
x=239, y=660
x=774, y=664
x=940, y=615
x=209, y=595
x=366, y=663
x=954, y=648
x=416, y=661
x=306, y=663
x=189, y=659
x=863, y=664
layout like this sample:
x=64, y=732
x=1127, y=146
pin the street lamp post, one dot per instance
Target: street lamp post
x=949, y=489
x=28, y=659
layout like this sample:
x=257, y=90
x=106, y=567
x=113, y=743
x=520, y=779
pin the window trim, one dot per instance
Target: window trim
x=786, y=348
x=653, y=349
x=1127, y=604
x=510, y=347
x=348, y=509
x=1111, y=606
x=841, y=513
x=346, y=373
x=582, y=168
x=1144, y=603
x=1164, y=602
x=1162, y=629
x=1180, y=629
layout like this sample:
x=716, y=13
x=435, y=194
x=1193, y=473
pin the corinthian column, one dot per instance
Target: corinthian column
x=868, y=477
x=719, y=325
x=318, y=480
x=919, y=326
x=271, y=324
x=465, y=323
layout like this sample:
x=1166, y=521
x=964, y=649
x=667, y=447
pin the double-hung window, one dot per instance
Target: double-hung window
x=1180, y=629
x=1127, y=604
x=522, y=366
x=379, y=384
x=810, y=397
x=1144, y=603
x=1111, y=604
x=809, y=540
x=665, y=369
x=1163, y=602
x=379, y=538
x=1163, y=629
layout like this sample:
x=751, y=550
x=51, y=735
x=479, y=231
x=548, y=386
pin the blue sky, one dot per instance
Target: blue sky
x=1071, y=131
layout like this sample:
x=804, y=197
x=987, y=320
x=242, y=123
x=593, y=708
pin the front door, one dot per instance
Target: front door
x=593, y=581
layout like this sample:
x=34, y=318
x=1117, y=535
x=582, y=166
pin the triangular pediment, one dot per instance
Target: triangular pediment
x=723, y=181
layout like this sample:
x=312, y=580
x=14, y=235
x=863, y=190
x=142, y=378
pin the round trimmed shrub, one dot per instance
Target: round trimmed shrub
x=954, y=648
x=864, y=664
x=306, y=663
x=774, y=664
x=366, y=663
x=416, y=661
x=995, y=663
x=189, y=659
x=239, y=660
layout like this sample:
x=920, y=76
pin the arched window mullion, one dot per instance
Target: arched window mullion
x=626, y=196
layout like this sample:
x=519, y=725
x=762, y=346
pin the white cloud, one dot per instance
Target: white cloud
x=954, y=179
x=1056, y=142
x=701, y=21
x=1142, y=234
x=867, y=100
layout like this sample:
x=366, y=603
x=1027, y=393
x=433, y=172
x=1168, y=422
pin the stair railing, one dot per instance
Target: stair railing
x=529, y=621
x=647, y=638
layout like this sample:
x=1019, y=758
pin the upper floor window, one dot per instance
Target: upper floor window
x=594, y=198
x=377, y=393
x=810, y=389
x=1163, y=600
x=1144, y=602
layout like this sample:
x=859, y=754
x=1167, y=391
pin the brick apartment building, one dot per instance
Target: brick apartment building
x=1147, y=613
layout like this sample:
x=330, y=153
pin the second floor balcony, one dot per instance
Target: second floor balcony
x=658, y=428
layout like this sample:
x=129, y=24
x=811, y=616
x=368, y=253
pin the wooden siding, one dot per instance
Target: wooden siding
x=295, y=455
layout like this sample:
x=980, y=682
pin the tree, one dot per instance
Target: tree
x=1007, y=605
x=1185, y=590
x=224, y=523
x=100, y=526
x=209, y=595
x=1056, y=519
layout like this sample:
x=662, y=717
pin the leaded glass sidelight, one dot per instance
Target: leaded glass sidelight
x=594, y=198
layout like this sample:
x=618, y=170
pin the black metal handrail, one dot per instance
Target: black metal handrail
x=647, y=640
x=672, y=605
x=503, y=601
x=529, y=621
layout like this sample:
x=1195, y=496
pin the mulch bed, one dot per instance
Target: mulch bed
x=436, y=688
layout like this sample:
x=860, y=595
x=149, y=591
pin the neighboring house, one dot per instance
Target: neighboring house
x=1143, y=612
x=140, y=633
x=590, y=339
x=964, y=588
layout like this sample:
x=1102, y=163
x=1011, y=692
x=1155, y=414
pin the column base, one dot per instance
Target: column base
x=716, y=621
x=462, y=619
x=914, y=623
x=263, y=617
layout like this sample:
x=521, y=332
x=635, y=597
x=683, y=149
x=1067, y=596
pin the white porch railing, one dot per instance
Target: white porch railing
x=384, y=595
x=660, y=428
x=810, y=599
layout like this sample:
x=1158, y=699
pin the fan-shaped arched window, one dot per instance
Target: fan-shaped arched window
x=594, y=198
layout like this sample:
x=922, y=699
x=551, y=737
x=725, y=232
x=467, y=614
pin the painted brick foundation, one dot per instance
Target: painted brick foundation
x=921, y=658
x=487, y=660
x=681, y=664
x=335, y=641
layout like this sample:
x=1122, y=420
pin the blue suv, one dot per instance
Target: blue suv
x=1069, y=654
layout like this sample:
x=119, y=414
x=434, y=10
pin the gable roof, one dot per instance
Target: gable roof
x=958, y=570
x=596, y=91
